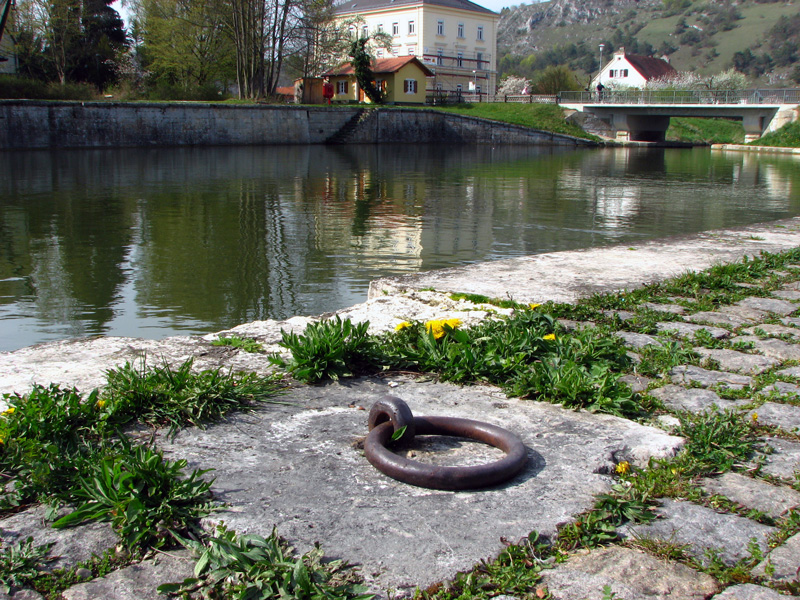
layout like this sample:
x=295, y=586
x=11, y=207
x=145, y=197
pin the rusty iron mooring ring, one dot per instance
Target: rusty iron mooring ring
x=391, y=414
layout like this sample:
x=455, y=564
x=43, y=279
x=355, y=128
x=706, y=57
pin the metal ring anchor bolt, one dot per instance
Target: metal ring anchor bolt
x=392, y=414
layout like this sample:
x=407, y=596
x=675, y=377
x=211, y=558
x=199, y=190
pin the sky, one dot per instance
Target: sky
x=498, y=5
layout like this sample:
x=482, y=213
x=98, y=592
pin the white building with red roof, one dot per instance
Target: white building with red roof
x=455, y=39
x=632, y=70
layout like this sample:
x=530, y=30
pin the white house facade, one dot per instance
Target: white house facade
x=632, y=70
x=455, y=39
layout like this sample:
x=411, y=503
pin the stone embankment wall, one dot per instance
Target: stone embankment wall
x=35, y=124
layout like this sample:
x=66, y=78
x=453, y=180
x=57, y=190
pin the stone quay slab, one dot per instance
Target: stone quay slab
x=301, y=469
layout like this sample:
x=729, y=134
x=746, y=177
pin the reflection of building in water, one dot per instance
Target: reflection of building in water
x=364, y=212
x=610, y=197
x=756, y=171
x=616, y=205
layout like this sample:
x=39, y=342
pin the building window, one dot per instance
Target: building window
x=410, y=86
x=412, y=28
x=396, y=50
x=624, y=72
x=341, y=87
x=461, y=30
x=477, y=89
x=460, y=59
x=612, y=73
x=412, y=50
x=459, y=87
x=380, y=27
x=479, y=59
x=440, y=56
x=380, y=52
x=395, y=28
x=438, y=87
x=440, y=27
x=352, y=31
x=480, y=33
x=365, y=31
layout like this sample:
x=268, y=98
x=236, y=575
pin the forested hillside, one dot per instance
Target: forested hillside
x=760, y=38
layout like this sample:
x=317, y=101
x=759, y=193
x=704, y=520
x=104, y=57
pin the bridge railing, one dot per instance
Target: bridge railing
x=443, y=97
x=788, y=96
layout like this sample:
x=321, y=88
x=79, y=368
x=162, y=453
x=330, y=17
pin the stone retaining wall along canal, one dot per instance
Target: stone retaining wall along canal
x=28, y=124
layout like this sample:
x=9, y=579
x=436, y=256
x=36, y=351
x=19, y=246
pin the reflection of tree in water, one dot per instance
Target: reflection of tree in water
x=68, y=252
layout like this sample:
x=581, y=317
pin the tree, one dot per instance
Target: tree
x=29, y=33
x=555, y=79
x=71, y=40
x=184, y=42
x=62, y=26
x=263, y=33
x=362, y=65
x=323, y=40
x=101, y=42
x=512, y=85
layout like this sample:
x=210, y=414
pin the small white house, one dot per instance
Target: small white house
x=632, y=70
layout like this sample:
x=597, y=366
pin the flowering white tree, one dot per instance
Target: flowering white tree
x=727, y=80
x=512, y=85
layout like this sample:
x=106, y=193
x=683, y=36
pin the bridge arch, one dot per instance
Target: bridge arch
x=644, y=115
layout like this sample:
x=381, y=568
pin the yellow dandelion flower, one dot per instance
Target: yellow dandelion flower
x=436, y=328
x=550, y=337
x=101, y=404
x=535, y=305
x=9, y=411
x=623, y=468
x=754, y=416
x=403, y=325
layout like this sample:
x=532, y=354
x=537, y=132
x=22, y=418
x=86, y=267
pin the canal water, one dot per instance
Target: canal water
x=158, y=242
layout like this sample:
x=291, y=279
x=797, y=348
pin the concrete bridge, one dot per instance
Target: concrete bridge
x=644, y=115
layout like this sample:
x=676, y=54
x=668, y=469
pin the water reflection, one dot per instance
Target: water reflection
x=151, y=242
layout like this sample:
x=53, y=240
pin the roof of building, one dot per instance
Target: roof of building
x=382, y=65
x=358, y=6
x=287, y=90
x=649, y=67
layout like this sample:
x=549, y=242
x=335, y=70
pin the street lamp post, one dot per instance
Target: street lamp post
x=600, y=64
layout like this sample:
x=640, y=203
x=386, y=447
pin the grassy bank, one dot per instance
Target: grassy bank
x=787, y=136
x=705, y=131
x=547, y=117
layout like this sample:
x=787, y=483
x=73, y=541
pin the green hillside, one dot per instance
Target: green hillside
x=760, y=38
x=749, y=32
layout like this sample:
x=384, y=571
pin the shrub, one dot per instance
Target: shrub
x=13, y=87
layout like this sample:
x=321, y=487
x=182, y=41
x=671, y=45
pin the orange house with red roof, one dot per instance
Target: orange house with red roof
x=402, y=79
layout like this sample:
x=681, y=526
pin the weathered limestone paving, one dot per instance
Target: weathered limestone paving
x=298, y=466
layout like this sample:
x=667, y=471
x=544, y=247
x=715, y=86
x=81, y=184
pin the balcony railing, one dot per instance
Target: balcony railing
x=788, y=96
x=469, y=61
